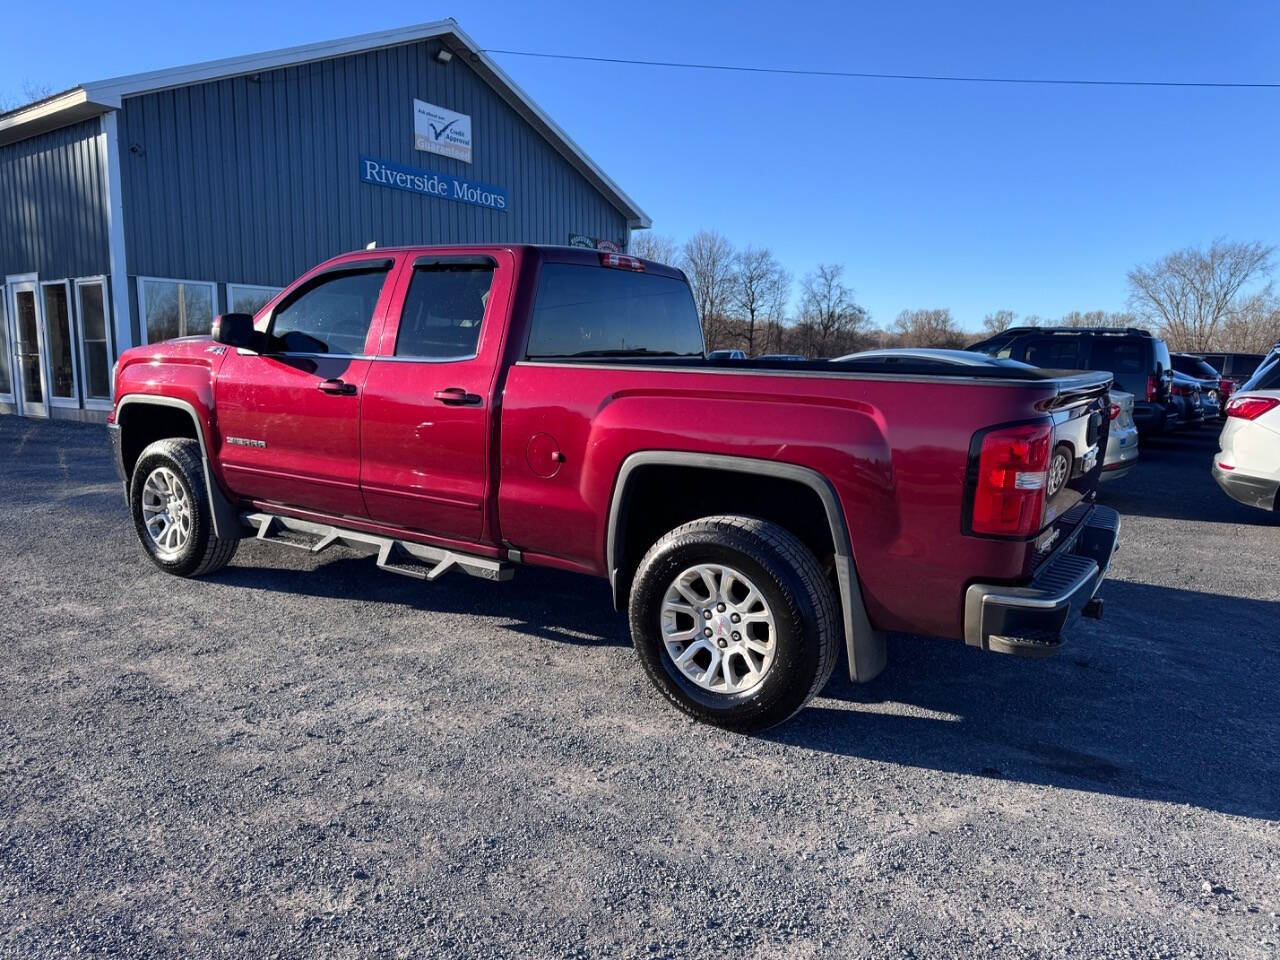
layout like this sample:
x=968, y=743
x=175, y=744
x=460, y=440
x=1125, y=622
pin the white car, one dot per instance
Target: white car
x=1248, y=465
x=1122, y=441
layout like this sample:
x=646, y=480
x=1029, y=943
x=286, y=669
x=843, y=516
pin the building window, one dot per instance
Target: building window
x=6, y=381
x=93, y=309
x=59, y=344
x=246, y=298
x=175, y=308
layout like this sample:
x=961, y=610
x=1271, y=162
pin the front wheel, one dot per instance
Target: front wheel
x=171, y=510
x=734, y=621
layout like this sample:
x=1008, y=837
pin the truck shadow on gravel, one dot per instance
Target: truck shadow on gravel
x=548, y=604
x=1172, y=698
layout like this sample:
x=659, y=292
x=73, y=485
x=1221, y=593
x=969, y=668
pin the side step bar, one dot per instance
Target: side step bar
x=408, y=559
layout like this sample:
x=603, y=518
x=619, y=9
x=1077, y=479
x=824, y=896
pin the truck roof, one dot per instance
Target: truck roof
x=548, y=252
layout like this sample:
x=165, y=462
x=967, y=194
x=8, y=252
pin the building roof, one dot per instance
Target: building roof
x=92, y=99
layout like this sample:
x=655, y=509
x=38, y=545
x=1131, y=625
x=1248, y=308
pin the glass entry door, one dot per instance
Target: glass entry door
x=24, y=310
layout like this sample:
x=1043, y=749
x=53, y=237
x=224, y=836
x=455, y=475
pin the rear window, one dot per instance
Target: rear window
x=1195, y=367
x=1053, y=353
x=1240, y=367
x=585, y=311
x=1118, y=356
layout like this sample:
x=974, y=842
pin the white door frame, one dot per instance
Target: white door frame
x=27, y=281
x=6, y=355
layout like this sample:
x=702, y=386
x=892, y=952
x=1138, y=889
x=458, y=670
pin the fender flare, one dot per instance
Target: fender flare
x=864, y=644
x=226, y=519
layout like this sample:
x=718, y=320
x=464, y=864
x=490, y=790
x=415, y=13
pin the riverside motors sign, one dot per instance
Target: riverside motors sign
x=431, y=184
x=437, y=130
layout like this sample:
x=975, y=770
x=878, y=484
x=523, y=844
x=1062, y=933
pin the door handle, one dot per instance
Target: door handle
x=457, y=397
x=334, y=385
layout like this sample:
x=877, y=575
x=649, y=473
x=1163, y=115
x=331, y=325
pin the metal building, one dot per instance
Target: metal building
x=135, y=209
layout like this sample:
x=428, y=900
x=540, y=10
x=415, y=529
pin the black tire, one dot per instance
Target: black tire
x=204, y=551
x=787, y=573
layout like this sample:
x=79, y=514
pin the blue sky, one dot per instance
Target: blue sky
x=973, y=197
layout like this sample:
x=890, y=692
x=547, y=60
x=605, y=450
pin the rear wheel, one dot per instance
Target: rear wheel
x=734, y=621
x=171, y=510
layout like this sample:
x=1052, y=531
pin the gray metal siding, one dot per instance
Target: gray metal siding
x=255, y=179
x=53, y=204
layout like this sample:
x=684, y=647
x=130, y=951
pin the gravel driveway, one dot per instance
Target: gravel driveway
x=302, y=757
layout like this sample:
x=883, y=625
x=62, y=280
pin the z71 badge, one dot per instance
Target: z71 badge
x=246, y=442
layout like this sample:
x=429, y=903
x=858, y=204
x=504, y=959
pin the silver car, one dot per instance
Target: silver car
x=1122, y=443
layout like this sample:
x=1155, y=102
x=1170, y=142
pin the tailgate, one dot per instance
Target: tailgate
x=1080, y=409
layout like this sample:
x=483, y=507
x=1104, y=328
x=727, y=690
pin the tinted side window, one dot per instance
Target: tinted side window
x=1053, y=353
x=1118, y=356
x=329, y=315
x=585, y=311
x=443, y=311
x=1267, y=376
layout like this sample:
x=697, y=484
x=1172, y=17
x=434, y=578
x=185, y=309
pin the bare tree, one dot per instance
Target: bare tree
x=708, y=262
x=1252, y=325
x=928, y=328
x=760, y=293
x=1100, y=318
x=1188, y=293
x=654, y=246
x=993, y=323
x=828, y=313
x=31, y=93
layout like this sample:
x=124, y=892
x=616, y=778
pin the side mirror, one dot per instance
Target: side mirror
x=236, y=330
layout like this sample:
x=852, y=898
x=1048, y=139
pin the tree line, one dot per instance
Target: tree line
x=1216, y=298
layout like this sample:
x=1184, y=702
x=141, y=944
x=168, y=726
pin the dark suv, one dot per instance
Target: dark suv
x=1217, y=388
x=1139, y=362
x=1233, y=366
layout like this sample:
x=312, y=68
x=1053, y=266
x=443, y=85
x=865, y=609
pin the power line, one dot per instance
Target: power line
x=854, y=75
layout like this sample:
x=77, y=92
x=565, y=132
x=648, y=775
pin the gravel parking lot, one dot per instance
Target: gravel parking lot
x=302, y=757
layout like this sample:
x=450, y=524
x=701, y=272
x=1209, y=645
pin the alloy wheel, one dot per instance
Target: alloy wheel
x=166, y=512
x=717, y=629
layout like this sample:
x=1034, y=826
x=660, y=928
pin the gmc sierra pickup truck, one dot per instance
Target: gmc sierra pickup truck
x=478, y=408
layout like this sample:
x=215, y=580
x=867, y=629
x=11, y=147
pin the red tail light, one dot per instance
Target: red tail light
x=1225, y=386
x=621, y=261
x=1010, y=478
x=1152, y=388
x=1251, y=408
x=1115, y=410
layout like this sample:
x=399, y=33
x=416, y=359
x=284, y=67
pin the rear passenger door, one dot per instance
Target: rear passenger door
x=428, y=397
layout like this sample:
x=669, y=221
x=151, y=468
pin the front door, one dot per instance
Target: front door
x=288, y=417
x=425, y=422
x=28, y=343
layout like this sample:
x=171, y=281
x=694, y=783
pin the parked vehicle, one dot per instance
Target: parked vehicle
x=1122, y=440
x=782, y=356
x=1247, y=466
x=1139, y=362
x=1190, y=397
x=1217, y=388
x=476, y=408
x=727, y=355
x=1237, y=367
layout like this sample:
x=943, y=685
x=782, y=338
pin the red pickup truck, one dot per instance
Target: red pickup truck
x=478, y=408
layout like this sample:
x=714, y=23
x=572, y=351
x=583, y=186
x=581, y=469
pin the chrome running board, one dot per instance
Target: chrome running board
x=404, y=557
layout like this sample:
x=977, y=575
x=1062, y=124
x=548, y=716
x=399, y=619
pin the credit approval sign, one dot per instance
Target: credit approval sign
x=437, y=130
